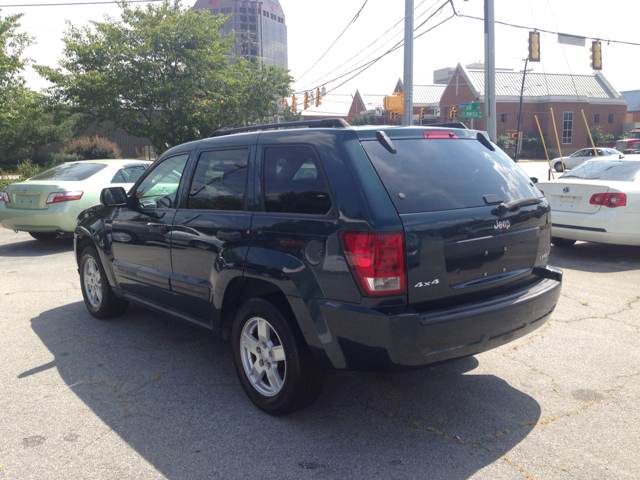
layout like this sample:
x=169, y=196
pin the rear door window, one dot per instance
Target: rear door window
x=432, y=174
x=220, y=180
x=294, y=181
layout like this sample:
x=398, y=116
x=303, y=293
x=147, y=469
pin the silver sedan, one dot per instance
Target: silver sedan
x=583, y=155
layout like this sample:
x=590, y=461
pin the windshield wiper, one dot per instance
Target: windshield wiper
x=514, y=204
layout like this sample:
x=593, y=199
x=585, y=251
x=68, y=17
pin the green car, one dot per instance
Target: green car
x=49, y=203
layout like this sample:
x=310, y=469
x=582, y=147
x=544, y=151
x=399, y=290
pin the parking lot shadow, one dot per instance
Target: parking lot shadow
x=30, y=247
x=596, y=257
x=172, y=394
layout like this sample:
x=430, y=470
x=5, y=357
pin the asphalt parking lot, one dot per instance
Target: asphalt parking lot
x=146, y=397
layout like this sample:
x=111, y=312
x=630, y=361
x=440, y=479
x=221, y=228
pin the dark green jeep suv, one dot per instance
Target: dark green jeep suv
x=374, y=248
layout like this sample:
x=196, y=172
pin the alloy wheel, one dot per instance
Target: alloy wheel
x=92, y=283
x=263, y=356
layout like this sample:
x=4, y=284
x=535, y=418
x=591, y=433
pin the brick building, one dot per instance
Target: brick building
x=568, y=95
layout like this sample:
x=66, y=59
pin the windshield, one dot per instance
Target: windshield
x=73, y=172
x=618, y=170
x=634, y=135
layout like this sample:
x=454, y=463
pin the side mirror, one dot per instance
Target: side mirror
x=113, y=197
x=621, y=156
x=534, y=179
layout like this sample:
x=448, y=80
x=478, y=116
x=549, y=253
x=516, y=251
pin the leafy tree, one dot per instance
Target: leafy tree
x=28, y=120
x=162, y=72
x=364, y=120
x=35, y=122
x=12, y=45
x=598, y=135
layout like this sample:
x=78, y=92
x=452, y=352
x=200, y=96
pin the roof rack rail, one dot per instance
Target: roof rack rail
x=325, y=123
x=448, y=124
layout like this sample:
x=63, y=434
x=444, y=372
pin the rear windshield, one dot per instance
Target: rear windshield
x=71, y=172
x=618, y=170
x=433, y=175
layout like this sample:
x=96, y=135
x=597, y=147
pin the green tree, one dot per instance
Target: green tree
x=364, y=120
x=598, y=135
x=162, y=72
x=12, y=45
x=36, y=122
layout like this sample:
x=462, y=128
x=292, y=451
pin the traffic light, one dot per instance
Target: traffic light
x=306, y=100
x=596, y=55
x=453, y=112
x=421, y=114
x=318, y=97
x=393, y=115
x=534, y=47
x=514, y=135
x=283, y=101
x=294, y=103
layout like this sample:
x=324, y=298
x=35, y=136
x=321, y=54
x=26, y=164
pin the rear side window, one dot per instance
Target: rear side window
x=293, y=181
x=71, y=172
x=220, y=180
x=432, y=175
x=128, y=174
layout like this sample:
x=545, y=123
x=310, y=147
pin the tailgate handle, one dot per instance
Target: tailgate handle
x=233, y=236
x=157, y=229
x=505, y=207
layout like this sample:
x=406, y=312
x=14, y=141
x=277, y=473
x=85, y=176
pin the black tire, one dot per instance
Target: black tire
x=562, y=242
x=96, y=291
x=558, y=167
x=44, y=236
x=285, y=377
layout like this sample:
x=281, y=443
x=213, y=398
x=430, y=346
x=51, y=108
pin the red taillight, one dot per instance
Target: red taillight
x=438, y=134
x=610, y=200
x=58, y=197
x=4, y=196
x=377, y=261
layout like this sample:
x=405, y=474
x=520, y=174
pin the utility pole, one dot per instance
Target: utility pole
x=490, y=71
x=408, y=63
x=518, y=139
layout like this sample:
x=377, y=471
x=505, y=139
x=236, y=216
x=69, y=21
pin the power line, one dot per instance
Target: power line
x=319, y=81
x=78, y=3
x=550, y=31
x=334, y=42
x=365, y=66
x=392, y=50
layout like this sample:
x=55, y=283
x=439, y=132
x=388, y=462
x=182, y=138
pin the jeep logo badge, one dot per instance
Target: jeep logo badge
x=502, y=225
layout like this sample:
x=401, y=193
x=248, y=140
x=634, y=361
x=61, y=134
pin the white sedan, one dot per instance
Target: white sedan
x=583, y=155
x=598, y=201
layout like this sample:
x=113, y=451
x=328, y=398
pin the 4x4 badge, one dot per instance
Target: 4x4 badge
x=426, y=284
x=506, y=224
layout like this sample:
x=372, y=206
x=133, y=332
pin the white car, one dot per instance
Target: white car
x=598, y=201
x=49, y=203
x=584, y=155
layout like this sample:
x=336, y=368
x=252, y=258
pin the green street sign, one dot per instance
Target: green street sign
x=472, y=107
x=472, y=114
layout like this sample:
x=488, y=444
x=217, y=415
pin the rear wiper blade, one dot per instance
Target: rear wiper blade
x=505, y=207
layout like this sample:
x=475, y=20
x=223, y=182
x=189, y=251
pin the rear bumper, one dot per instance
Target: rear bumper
x=58, y=217
x=367, y=340
x=608, y=226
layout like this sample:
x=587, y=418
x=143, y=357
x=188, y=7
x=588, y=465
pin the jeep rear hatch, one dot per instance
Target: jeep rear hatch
x=474, y=223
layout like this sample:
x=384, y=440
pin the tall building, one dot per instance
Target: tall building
x=259, y=26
